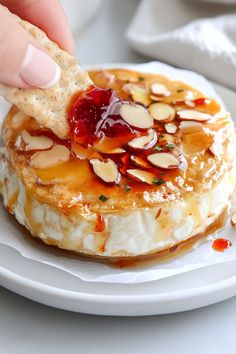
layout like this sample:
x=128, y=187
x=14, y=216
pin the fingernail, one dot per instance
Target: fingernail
x=38, y=69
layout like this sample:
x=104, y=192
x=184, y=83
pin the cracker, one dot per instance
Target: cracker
x=49, y=106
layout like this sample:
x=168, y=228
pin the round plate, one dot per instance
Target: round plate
x=56, y=288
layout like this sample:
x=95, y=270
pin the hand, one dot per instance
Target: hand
x=24, y=62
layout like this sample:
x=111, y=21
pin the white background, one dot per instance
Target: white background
x=28, y=327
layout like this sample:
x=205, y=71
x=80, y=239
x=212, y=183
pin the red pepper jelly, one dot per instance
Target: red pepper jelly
x=94, y=114
x=221, y=244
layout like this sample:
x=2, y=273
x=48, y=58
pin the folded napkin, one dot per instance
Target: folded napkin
x=194, y=35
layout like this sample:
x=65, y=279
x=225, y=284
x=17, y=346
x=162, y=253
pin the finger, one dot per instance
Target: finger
x=23, y=62
x=47, y=15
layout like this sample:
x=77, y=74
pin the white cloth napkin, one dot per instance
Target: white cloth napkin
x=190, y=34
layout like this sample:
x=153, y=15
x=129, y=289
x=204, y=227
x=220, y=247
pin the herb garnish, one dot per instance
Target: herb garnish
x=158, y=181
x=170, y=146
x=140, y=78
x=158, y=148
x=180, y=90
x=103, y=198
x=127, y=187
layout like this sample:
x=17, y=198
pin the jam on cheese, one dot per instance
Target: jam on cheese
x=95, y=114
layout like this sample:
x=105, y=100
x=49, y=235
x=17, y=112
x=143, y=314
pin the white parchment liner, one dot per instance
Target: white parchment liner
x=12, y=235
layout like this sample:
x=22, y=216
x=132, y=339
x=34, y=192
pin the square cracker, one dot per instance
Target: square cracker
x=49, y=106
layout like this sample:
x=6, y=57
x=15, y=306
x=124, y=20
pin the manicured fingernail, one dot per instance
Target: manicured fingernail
x=38, y=69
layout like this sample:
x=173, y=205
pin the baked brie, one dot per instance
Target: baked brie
x=148, y=169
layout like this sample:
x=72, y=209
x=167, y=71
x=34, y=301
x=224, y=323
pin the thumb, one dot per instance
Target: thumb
x=23, y=62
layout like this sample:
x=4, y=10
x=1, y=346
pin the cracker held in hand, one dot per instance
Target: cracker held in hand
x=49, y=106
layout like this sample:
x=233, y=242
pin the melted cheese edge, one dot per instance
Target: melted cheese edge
x=130, y=233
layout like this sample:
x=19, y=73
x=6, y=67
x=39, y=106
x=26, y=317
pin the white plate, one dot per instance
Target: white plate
x=56, y=288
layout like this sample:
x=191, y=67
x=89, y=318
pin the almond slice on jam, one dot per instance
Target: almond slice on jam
x=190, y=114
x=171, y=128
x=50, y=158
x=144, y=142
x=106, y=170
x=190, y=126
x=35, y=142
x=136, y=116
x=164, y=160
x=162, y=112
x=142, y=176
x=160, y=90
x=139, y=162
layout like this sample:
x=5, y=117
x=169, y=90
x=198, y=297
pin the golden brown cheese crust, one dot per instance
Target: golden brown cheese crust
x=73, y=187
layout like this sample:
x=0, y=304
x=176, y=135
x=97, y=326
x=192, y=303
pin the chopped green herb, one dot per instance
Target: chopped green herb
x=118, y=185
x=127, y=188
x=158, y=148
x=161, y=136
x=158, y=181
x=170, y=146
x=140, y=78
x=103, y=198
x=180, y=90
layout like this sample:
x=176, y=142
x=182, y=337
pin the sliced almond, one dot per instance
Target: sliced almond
x=144, y=142
x=189, y=103
x=190, y=126
x=162, y=112
x=169, y=138
x=190, y=114
x=216, y=149
x=189, y=95
x=45, y=159
x=105, y=150
x=233, y=219
x=116, y=151
x=139, y=162
x=136, y=116
x=106, y=170
x=160, y=90
x=164, y=160
x=110, y=146
x=156, y=98
x=139, y=94
x=171, y=128
x=34, y=142
x=140, y=175
x=81, y=152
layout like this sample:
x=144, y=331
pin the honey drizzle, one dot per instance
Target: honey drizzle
x=100, y=224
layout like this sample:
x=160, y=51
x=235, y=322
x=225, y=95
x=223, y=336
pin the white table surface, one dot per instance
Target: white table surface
x=30, y=328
